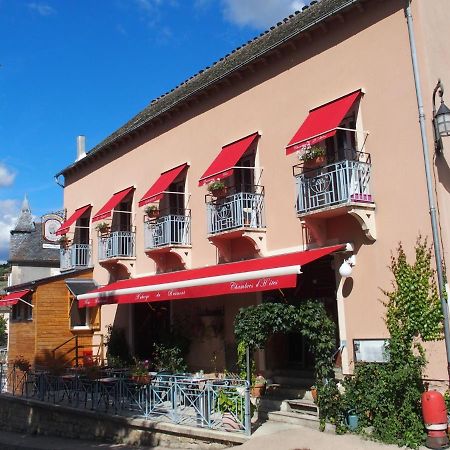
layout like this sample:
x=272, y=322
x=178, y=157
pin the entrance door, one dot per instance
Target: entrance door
x=151, y=322
x=316, y=282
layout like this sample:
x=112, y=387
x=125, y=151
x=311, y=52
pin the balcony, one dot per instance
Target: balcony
x=238, y=210
x=172, y=230
x=75, y=257
x=339, y=183
x=335, y=189
x=117, y=245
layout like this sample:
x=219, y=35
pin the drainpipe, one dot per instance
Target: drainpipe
x=431, y=201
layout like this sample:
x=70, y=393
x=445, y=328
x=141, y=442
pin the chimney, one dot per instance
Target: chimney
x=81, y=147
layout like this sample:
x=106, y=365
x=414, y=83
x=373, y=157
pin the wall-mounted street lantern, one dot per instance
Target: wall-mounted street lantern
x=441, y=118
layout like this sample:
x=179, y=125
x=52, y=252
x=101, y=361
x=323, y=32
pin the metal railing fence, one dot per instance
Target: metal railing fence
x=239, y=210
x=77, y=255
x=171, y=229
x=119, y=244
x=219, y=404
x=341, y=182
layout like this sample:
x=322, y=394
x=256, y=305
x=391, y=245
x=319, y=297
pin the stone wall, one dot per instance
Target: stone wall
x=34, y=417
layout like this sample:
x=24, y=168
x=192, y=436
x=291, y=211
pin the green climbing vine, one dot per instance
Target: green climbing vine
x=387, y=396
x=255, y=324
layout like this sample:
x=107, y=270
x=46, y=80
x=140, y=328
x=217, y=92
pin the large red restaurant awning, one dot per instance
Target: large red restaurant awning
x=322, y=122
x=13, y=297
x=222, y=166
x=263, y=274
x=64, y=228
x=105, y=211
x=156, y=192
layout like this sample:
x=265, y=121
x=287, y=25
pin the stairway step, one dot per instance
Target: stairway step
x=303, y=406
x=285, y=392
x=299, y=419
x=286, y=380
x=294, y=418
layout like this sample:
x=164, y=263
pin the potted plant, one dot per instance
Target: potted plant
x=152, y=211
x=103, y=228
x=217, y=189
x=64, y=242
x=228, y=403
x=22, y=364
x=259, y=386
x=313, y=156
x=140, y=372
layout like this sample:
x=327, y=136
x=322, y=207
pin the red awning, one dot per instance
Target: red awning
x=222, y=166
x=64, y=228
x=263, y=274
x=321, y=122
x=111, y=204
x=156, y=192
x=13, y=297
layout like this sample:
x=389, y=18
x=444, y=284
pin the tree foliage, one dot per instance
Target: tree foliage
x=3, y=333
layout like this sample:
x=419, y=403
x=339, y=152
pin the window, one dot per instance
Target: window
x=21, y=311
x=79, y=317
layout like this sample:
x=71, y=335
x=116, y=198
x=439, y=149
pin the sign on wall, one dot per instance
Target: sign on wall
x=371, y=350
x=50, y=223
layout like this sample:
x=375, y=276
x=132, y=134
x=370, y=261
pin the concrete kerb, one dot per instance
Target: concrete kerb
x=41, y=418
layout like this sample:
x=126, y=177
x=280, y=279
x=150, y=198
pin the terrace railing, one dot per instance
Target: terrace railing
x=239, y=210
x=182, y=399
x=342, y=182
x=119, y=244
x=171, y=229
x=76, y=256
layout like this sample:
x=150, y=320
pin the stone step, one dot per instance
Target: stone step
x=303, y=406
x=286, y=392
x=295, y=418
x=298, y=381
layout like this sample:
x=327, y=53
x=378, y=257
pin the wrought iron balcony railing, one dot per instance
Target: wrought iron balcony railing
x=342, y=182
x=75, y=256
x=170, y=229
x=119, y=244
x=239, y=210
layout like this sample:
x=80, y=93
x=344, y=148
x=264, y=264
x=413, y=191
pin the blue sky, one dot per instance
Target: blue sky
x=71, y=67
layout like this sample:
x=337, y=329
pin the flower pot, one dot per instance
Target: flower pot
x=153, y=214
x=314, y=394
x=258, y=390
x=319, y=161
x=141, y=379
x=229, y=422
x=219, y=193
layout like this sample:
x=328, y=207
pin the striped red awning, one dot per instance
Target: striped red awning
x=12, y=298
x=222, y=166
x=65, y=226
x=105, y=211
x=322, y=122
x=262, y=274
x=156, y=192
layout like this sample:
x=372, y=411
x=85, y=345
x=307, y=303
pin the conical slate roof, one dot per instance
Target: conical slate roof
x=25, y=223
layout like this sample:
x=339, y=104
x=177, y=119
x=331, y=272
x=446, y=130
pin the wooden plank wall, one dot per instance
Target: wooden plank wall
x=50, y=326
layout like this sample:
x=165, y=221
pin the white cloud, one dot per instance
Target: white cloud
x=259, y=14
x=42, y=9
x=9, y=210
x=6, y=176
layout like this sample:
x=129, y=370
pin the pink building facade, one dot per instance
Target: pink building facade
x=335, y=79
